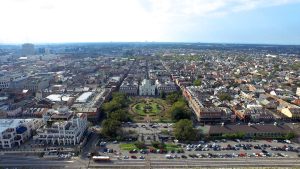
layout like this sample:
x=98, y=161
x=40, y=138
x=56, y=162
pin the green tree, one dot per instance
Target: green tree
x=119, y=101
x=224, y=96
x=121, y=98
x=290, y=135
x=111, y=106
x=119, y=115
x=159, y=145
x=239, y=135
x=295, y=66
x=179, y=110
x=140, y=145
x=197, y=82
x=184, y=130
x=174, y=97
x=162, y=94
x=111, y=128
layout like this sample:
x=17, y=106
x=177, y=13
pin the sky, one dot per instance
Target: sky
x=220, y=21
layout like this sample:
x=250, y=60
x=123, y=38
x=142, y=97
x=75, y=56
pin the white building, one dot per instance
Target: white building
x=147, y=88
x=62, y=127
x=298, y=91
x=14, y=132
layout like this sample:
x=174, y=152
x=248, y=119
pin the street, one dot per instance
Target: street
x=76, y=163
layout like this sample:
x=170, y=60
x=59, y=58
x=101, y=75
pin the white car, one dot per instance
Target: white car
x=168, y=156
x=188, y=149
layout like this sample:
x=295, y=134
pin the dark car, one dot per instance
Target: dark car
x=183, y=156
x=133, y=151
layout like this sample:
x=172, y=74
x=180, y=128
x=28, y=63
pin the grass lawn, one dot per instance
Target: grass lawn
x=170, y=147
x=131, y=146
x=156, y=110
x=140, y=108
x=128, y=146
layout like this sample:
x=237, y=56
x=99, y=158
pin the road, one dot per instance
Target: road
x=174, y=163
x=36, y=162
x=77, y=163
x=90, y=145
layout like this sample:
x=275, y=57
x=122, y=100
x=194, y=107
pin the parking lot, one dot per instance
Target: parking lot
x=211, y=149
x=216, y=149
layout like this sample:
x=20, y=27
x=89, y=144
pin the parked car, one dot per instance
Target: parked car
x=183, y=156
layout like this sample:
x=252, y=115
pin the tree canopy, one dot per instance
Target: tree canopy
x=162, y=95
x=197, y=82
x=224, y=96
x=179, y=110
x=184, y=130
x=115, y=113
x=174, y=97
x=119, y=115
x=118, y=101
x=110, y=128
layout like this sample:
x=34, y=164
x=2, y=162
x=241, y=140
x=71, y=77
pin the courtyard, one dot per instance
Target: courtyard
x=147, y=109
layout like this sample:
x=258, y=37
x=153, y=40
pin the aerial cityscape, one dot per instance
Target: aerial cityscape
x=157, y=97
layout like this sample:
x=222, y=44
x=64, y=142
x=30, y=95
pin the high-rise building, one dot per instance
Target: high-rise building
x=27, y=49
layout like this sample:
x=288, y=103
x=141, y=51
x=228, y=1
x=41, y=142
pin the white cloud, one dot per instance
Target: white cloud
x=207, y=7
x=253, y=4
x=111, y=20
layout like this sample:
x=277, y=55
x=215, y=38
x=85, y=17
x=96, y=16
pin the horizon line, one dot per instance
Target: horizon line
x=182, y=42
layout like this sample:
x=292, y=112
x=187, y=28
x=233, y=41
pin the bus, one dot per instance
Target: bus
x=101, y=158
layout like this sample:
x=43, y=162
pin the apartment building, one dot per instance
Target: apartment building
x=62, y=127
x=14, y=132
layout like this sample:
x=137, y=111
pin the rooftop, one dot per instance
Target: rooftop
x=11, y=123
x=58, y=97
x=84, y=97
x=255, y=128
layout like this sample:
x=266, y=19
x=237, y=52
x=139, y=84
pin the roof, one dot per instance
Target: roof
x=249, y=129
x=58, y=97
x=11, y=123
x=83, y=97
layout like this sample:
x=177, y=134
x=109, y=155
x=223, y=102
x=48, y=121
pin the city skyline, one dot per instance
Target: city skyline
x=216, y=21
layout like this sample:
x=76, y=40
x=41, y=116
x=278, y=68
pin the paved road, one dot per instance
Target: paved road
x=199, y=163
x=18, y=161
x=90, y=145
x=76, y=163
